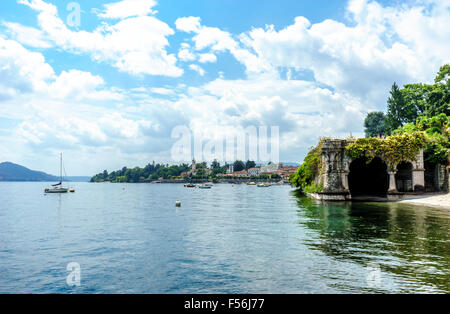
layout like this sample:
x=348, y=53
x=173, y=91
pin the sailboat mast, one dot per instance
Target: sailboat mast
x=60, y=170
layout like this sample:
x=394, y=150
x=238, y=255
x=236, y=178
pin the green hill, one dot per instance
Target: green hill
x=13, y=172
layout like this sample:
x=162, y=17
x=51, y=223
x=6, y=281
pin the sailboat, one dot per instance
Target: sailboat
x=58, y=188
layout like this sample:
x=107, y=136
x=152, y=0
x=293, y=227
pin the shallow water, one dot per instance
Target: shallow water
x=130, y=238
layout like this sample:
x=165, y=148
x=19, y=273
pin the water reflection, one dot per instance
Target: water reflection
x=410, y=243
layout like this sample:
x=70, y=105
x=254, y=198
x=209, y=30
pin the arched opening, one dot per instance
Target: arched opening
x=403, y=177
x=368, y=179
x=431, y=174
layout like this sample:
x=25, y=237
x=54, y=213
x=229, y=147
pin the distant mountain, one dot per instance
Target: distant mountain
x=13, y=172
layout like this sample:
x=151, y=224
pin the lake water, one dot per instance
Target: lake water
x=130, y=238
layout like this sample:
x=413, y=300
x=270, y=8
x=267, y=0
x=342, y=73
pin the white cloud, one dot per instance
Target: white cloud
x=220, y=41
x=135, y=45
x=207, y=57
x=127, y=8
x=21, y=71
x=58, y=111
x=162, y=91
x=186, y=55
x=386, y=44
x=188, y=24
x=197, y=69
x=29, y=36
x=79, y=85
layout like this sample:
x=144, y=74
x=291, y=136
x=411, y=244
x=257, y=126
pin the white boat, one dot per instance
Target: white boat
x=58, y=188
x=204, y=186
x=264, y=185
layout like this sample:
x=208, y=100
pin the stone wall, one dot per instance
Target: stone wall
x=335, y=167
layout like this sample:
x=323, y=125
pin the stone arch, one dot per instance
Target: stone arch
x=368, y=179
x=404, y=177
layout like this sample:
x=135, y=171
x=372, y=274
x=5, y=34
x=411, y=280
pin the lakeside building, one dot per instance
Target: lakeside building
x=270, y=168
x=241, y=174
x=254, y=172
x=286, y=171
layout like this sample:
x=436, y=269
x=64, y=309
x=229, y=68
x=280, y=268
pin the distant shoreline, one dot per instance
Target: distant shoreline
x=200, y=181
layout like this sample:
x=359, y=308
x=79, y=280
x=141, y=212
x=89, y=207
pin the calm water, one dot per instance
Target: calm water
x=130, y=238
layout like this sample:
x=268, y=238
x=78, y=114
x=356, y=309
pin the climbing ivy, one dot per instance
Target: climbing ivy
x=393, y=149
x=306, y=174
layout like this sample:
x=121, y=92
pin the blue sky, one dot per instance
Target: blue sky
x=109, y=91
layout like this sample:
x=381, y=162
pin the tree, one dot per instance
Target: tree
x=250, y=164
x=399, y=111
x=239, y=165
x=375, y=124
x=416, y=96
x=215, y=164
x=443, y=74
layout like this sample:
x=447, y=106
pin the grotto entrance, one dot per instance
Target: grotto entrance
x=404, y=177
x=368, y=180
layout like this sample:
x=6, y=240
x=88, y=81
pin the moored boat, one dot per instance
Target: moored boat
x=58, y=188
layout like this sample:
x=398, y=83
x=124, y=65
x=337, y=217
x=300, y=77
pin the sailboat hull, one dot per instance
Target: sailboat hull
x=54, y=191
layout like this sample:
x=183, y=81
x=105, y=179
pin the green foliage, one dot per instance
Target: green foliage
x=151, y=172
x=313, y=188
x=443, y=74
x=393, y=149
x=436, y=131
x=250, y=164
x=416, y=96
x=417, y=108
x=215, y=164
x=309, y=170
x=439, y=100
x=415, y=100
x=275, y=176
x=239, y=165
x=399, y=111
x=375, y=124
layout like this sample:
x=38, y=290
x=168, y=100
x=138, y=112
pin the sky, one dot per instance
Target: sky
x=107, y=82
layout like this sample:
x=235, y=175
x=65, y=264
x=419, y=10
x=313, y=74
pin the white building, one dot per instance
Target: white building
x=270, y=168
x=254, y=172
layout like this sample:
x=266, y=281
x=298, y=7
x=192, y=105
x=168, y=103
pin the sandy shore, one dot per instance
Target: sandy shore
x=434, y=200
